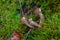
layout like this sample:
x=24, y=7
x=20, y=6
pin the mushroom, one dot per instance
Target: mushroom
x=38, y=11
x=31, y=22
x=23, y=20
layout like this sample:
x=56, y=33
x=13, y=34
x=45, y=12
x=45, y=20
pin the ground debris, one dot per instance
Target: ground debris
x=1, y=25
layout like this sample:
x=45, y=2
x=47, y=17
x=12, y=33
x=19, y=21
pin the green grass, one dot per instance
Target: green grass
x=10, y=19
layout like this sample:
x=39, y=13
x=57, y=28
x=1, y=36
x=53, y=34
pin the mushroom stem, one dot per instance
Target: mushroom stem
x=23, y=20
x=31, y=22
x=41, y=17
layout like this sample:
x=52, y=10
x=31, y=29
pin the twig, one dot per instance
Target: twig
x=27, y=34
x=21, y=8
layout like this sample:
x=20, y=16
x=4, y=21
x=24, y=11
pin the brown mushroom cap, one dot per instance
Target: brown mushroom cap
x=29, y=20
x=37, y=10
x=22, y=19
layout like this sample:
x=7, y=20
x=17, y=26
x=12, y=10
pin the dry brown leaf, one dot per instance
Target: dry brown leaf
x=16, y=36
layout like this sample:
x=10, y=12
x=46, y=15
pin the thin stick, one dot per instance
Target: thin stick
x=27, y=34
x=21, y=8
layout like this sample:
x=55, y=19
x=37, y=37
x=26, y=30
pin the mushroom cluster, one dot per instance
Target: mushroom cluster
x=32, y=24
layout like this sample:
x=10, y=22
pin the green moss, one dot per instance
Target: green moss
x=10, y=19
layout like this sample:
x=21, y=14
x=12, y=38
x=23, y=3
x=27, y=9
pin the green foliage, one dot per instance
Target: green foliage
x=10, y=19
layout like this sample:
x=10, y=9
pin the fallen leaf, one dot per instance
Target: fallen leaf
x=16, y=35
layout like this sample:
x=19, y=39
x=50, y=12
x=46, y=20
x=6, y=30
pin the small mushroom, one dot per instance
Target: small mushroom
x=37, y=10
x=23, y=20
x=31, y=22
